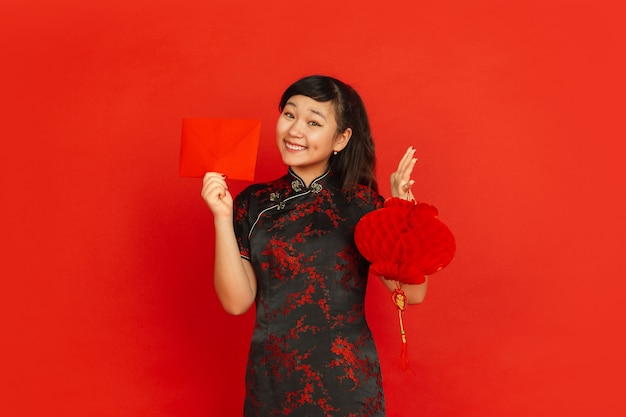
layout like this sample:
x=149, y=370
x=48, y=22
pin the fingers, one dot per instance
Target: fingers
x=405, y=167
x=407, y=163
x=407, y=186
x=401, y=181
x=408, y=160
x=214, y=185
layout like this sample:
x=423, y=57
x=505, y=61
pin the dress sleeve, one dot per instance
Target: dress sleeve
x=241, y=223
x=368, y=200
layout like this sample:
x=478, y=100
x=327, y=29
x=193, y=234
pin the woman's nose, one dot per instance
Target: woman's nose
x=295, y=129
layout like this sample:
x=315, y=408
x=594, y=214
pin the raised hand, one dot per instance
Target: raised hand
x=401, y=181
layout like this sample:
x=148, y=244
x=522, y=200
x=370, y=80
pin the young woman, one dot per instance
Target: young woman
x=288, y=246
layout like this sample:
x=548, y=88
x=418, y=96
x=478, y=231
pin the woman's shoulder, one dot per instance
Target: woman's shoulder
x=363, y=195
x=261, y=190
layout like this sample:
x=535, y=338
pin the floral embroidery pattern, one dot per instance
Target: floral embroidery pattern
x=312, y=353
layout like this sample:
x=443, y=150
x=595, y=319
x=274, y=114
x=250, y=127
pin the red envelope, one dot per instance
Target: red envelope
x=228, y=146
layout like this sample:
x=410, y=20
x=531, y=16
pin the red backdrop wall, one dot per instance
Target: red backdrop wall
x=107, y=304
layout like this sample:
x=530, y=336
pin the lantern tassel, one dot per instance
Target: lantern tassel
x=399, y=299
x=404, y=354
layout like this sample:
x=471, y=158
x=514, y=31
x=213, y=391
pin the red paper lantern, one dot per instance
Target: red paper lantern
x=404, y=241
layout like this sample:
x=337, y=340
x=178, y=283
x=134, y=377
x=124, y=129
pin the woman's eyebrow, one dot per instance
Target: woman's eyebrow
x=319, y=113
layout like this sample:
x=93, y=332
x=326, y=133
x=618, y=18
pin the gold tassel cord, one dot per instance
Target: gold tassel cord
x=399, y=299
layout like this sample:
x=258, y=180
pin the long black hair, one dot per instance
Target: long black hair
x=356, y=163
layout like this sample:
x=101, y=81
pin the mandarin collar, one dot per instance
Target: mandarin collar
x=298, y=185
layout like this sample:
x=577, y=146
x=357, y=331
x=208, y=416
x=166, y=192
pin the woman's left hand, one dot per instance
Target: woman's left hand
x=401, y=181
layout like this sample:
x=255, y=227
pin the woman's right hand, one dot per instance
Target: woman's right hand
x=215, y=193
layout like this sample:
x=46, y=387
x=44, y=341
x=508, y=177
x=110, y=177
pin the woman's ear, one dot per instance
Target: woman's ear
x=342, y=139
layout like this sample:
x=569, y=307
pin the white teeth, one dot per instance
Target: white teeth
x=294, y=147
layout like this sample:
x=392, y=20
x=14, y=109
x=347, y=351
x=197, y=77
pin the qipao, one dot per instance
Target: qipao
x=312, y=352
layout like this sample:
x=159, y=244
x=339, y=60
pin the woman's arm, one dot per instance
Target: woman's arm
x=234, y=279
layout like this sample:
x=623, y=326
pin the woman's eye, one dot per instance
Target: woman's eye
x=313, y=123
x=288, y=115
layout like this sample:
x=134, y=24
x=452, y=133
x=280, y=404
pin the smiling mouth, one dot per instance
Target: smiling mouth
x=294, y=147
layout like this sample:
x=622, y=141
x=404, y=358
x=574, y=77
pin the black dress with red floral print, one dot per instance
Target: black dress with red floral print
x=312, y=352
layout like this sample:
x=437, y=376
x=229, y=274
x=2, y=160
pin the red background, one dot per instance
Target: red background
x=107, y=304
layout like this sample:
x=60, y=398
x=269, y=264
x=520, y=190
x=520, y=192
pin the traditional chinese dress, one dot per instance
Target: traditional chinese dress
x=312, y=352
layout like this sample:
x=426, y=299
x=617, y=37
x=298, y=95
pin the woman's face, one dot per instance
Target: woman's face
x=306, y=134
